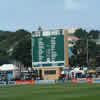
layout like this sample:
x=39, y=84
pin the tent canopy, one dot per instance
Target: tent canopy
x=64, y=72
x=8, y=67
x=77, y=70
x=91, y=71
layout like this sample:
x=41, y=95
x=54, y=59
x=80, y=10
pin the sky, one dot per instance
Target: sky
x=29, y=14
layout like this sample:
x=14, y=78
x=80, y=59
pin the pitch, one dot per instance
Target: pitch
x=51, y=92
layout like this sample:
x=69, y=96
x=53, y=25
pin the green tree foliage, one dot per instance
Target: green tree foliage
x=94, y=34
x=80, y=33
x=22, y=51
x=83, y=46
x=9, y=39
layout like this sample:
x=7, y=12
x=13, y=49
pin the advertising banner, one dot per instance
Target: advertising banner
x=11, y=82
x=33, y=81
x=47, y=81
x=37, y=82
x=89, y=80
x=96, y=81
x=81, y=80
x=23, y=82
x=74, y=80
x=2, y=83
x=51, y=81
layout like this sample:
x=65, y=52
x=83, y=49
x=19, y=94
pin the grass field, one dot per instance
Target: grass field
x=51, y=92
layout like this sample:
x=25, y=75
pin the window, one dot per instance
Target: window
x=50, y=72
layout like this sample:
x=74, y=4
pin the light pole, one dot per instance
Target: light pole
x=87, y=52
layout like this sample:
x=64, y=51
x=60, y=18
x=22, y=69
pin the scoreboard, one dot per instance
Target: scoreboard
x=48, y=49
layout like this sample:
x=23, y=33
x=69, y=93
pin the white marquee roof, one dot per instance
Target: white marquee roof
x=8, y=67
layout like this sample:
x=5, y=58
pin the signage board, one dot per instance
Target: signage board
x=48, y=50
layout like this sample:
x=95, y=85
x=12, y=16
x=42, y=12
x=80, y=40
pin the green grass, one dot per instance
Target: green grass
x=51, y=92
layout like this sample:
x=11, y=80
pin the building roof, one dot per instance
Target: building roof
x=73, y=38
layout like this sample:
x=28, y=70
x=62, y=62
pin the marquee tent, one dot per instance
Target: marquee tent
x=8, y=67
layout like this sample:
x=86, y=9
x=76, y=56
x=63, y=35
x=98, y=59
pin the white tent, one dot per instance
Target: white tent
x=76, y=71
x=8, y=67
x=80, y=71
x=64, y=72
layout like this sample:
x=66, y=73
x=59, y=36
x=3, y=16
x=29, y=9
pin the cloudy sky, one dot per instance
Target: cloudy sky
x=29, y=14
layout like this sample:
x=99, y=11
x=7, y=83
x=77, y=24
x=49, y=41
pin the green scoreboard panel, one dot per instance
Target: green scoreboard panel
x=48, y=51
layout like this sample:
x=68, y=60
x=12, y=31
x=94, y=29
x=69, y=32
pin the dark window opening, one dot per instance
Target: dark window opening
x=50, y=72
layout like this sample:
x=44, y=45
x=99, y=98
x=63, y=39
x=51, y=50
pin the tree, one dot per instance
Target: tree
x=85, y=47
x=94, y=34
x=22, y=52
x=9, y=40
x=80, y=33
x=4, y=58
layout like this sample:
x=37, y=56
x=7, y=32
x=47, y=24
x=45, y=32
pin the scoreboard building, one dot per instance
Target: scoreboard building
x=49, y=52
